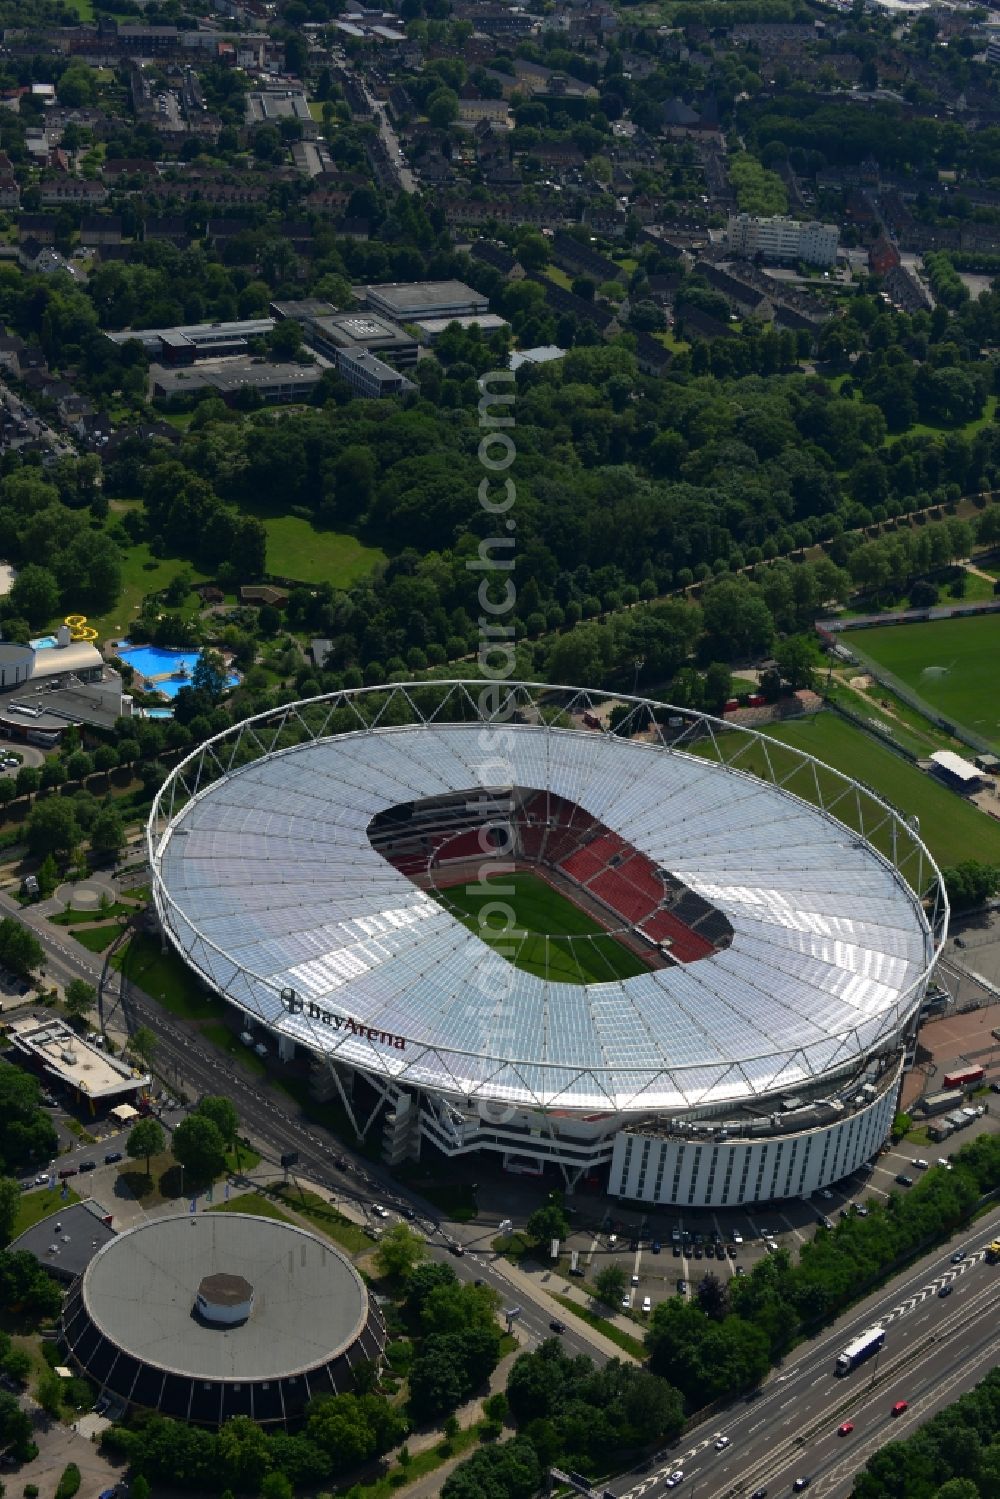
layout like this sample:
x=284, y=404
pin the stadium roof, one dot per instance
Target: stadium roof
x=309, y=1301
x=267, y=881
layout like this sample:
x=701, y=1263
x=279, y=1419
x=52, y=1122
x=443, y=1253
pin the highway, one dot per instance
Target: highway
x=272, y=1121
x=935, y=1349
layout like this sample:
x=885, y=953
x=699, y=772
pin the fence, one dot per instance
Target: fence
x=872, y=726
x=903, y=690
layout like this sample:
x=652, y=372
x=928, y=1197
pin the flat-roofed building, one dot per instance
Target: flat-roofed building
x=187, y=344
x=57, y=1052
x=371, y=377
x=230, y=377
x=781, y=238
x=329, y=336
x=406, y=301
x=487, y=322
x=67, y=1240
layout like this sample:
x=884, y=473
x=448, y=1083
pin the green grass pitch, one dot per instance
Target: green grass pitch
x=952, y=828
x=951, y=663
x=549, y=936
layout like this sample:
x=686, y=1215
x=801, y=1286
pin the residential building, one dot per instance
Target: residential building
x=781, y=238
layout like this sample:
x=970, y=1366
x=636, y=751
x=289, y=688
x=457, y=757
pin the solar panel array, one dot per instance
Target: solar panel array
x=272, y=884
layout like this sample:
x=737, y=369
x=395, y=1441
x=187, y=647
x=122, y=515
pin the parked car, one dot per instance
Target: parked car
x=655, y=1246
x=904, y=1180
x=682, y=1287
x=647, y=1305
x=921, y=1165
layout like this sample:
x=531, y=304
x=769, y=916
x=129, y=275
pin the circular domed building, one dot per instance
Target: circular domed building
x=213, y=1315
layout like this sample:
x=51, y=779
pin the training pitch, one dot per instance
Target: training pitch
x=548, y=936
x=951, y=663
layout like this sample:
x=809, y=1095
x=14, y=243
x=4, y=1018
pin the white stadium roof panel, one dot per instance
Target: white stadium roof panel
x=267, y=881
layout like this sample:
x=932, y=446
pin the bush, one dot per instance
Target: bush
x=69, y=1483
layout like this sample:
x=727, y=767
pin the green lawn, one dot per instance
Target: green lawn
x=951, y=663
x=251, y=1202
x=295, y=549
x=324, y=1216
x=549, y=937
x=221, y=1036
x=164, y=977
x=96, y=938
x=81, y=918
x=560, y=277
x=142, y=573
x=953, y=829
x=83, y=8
x=38, y=1205
x=604, y=1326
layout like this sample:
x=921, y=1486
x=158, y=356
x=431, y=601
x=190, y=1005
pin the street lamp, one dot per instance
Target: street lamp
x=638, y=664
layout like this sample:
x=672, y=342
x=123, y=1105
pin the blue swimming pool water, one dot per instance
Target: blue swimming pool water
x=151, y=661
x=157, y=712
x=44, y=643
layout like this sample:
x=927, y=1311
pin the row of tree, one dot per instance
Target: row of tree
x=954, y=1455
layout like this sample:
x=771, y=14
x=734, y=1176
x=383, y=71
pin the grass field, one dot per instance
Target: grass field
x=251, y=1202
x=550, y=937
x=951, y=663
x=295, y=549
x=953, y=829
x=164, y=977
x=34, y=1206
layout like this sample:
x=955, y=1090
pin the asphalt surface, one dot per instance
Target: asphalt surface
x=935, y=1349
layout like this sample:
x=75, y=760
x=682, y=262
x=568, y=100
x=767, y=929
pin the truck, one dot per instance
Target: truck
x=862, y=1347
x=941, y=1103
x=964, y=1077
x=993, y=1252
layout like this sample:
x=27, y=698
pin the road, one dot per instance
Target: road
x=272, y=1122
x=935, y=1349
x=390, y=140
x=34, y=424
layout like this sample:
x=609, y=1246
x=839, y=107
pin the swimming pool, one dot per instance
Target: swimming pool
x=156, y=712
x=175, y=666
x=44, y=643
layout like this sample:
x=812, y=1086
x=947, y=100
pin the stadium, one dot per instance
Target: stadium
x=212, y=1315
x=495, y=925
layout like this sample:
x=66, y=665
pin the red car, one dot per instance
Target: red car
x=846, y=1429
x=900, y=1407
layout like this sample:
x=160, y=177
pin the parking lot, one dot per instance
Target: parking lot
x=662, y=1247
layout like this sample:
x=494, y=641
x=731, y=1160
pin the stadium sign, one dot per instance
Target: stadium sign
x=296, y=1005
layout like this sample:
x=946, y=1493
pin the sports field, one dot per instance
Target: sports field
x=547, y=935
x=952, y=828
x=951, y=663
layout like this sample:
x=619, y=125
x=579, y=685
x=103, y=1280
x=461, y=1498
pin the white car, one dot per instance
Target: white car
x=921, y=1165
x=635, y=1280
x=626, y=1303
x=675, y=1479
x=721, y=1442
x=379, y=1210
x=647, y=1305
x=737, y=1238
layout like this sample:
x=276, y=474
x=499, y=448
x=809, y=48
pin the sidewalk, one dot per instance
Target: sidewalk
x=556, y=1285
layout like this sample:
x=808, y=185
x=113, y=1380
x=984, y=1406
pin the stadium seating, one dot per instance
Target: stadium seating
x=623, y=898
x=686, y=946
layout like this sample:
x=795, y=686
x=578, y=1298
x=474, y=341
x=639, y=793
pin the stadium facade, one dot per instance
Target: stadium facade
x=773, y=927
x=207, y=1316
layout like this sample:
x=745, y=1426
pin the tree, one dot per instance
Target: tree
x=140, y=1487
x=10, y=1206
x=199, y=1148
x=545, y=1223
x=35, y=594
x=398, y=1252
x=49, y=1394
x=48, y=875
x=209, y=675
x=20, y=949
x=610, y=1285
x=442, y=108
x=274, y=1486
x=143, y=1043
x=145, y=1139
x=80, y=998
x=971, y=883
x=28, y=780
x=107, y=836
x=738, y=623
x=797, y=657
x=52, y=827
x=105, y=761
x=223, y=1115
x=79, y=765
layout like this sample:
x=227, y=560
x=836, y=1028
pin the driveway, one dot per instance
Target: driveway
x=57, y=1446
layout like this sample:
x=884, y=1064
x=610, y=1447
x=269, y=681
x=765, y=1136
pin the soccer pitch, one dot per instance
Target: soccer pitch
x=951, y=663
x=952, y=828
x=549, y=936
